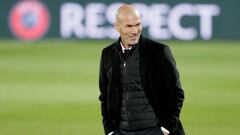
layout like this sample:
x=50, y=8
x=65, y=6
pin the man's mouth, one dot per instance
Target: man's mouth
x=133, y=37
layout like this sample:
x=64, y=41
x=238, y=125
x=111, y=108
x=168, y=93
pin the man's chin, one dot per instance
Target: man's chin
x=134, y=42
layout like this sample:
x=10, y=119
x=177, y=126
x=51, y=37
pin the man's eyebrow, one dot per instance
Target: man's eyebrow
x=129, y=25
x=133, y=25
x=138, y=24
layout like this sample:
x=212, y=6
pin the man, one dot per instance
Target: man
x=140, y=90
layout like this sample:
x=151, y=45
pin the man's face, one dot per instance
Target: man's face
x=129, y=28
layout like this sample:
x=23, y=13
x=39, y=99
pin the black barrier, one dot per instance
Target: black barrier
x=185, y=20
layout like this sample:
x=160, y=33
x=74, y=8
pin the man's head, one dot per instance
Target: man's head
x=128, y=24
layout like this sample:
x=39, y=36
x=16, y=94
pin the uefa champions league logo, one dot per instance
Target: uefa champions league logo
x=29, y=20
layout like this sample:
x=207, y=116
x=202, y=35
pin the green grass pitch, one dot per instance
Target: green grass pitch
x=50, y=87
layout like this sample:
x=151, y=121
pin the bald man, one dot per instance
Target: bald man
x=140, y=90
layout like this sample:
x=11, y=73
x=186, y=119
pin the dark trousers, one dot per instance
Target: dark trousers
x=149, y=131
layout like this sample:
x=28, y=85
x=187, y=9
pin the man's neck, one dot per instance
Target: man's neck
x=126, y=46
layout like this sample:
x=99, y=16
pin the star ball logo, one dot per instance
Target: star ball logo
x=29, y=20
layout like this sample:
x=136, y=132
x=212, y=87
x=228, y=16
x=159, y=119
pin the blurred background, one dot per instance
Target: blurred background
x=50, y=51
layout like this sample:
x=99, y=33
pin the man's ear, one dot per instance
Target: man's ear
x=116, y=26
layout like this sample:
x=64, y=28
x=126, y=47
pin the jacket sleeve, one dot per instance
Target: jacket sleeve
x=174, y=92
x=103, y=86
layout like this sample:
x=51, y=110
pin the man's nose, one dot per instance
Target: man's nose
x=134, y=30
